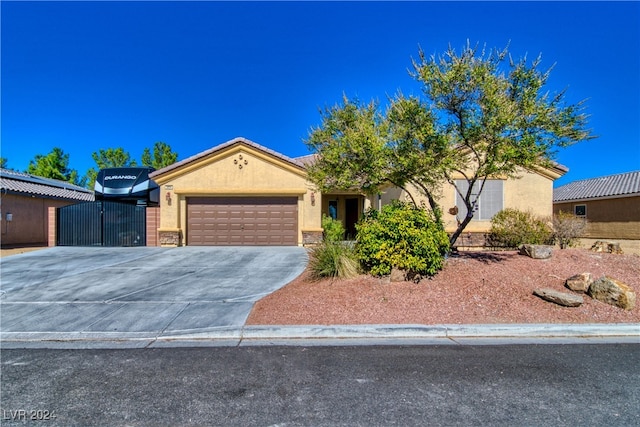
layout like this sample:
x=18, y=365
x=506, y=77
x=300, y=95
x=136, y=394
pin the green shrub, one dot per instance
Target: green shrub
x=511, y=228
x=333, y=229
x=567, y=228
x=333, y=259
x=401, y=236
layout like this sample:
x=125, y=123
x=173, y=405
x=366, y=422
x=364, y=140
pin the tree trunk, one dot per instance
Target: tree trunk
x=459, y=230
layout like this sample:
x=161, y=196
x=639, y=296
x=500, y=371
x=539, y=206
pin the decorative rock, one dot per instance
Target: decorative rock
x=608, y=247
x=561, y=298
x=536, y=251
x=400, y=275
x=579, y=282
x=614, y=292
x=397, y=275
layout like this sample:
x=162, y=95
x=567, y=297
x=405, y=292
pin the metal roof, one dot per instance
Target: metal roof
x=27, y=184
x=619, y=185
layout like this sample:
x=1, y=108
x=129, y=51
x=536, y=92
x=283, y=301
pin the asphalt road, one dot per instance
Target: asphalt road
x=516, y=385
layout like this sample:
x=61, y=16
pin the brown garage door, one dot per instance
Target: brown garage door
x=214, y=221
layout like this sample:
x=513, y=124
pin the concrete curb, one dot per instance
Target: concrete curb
x=337, y=335
x=442, y=331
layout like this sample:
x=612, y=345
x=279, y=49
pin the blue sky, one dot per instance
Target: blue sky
x=89, y=75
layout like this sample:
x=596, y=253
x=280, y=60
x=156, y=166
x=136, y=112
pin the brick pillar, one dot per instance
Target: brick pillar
x=52, y=222
x=153, y=223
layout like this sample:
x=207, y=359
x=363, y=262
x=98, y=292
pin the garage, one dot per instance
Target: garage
x=238, y=193
x=251, y=221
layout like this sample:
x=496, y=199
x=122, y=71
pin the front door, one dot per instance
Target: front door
x=351, y=217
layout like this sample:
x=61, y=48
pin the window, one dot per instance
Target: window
x=580, y=210
x=489, y=203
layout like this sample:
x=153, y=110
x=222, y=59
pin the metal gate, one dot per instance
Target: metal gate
x=102, y=223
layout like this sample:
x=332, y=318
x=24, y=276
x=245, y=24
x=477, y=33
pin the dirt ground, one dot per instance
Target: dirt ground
x=474, y=287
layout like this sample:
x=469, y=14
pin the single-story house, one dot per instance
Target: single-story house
x=24, y=206
x=241, y=193
x=610, y=204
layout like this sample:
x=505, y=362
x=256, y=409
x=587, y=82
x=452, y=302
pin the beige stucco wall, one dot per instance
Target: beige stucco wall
x=244, y=170
x=616, y=218
x=238, y=170
x=531, y=191
x=29, y=224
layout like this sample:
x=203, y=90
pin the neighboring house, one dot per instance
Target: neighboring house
x=241, y=193
x=24, y=204
x=610, y=204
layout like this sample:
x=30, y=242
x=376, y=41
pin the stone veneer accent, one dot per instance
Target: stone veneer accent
x=170, y=238
x=311, y=237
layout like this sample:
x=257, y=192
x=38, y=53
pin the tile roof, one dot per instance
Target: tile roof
x=623, y=184
x=24, y=183
x=222, y=146
x=306, y=160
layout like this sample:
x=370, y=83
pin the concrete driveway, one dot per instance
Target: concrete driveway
x=145, y=293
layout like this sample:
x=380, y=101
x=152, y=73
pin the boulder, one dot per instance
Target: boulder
x=612, y=291
x=398, y=275
x=608, y=247
x=579, y=282
x=561, y=298
x=536, y=251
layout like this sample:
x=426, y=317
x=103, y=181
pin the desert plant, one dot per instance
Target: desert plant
x=511, y=228
x=333, y=259
x=403, y=236
x=333, y=230
x=567, y=228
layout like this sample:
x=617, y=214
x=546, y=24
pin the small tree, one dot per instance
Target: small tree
x=109, y=158
x=54, y=165
x=482, y=115
x=567, y=228
x=162, y=156
x=353, y=150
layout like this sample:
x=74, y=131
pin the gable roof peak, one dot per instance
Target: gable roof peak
x=235, y=141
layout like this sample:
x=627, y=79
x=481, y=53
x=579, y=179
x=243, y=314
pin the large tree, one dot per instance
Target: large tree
x=54, y=165
x=162, y=156
x=109, y=158
x=481, y=115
